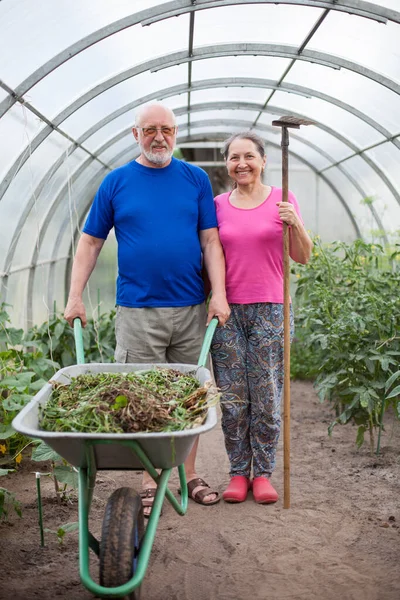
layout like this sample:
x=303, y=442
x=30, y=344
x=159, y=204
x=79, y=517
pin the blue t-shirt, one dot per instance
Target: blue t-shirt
x=157, y=215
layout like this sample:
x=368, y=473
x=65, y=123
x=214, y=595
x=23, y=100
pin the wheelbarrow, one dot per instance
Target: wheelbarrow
x=125, y=545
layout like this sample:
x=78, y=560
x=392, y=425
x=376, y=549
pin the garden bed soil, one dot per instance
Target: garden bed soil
x=339, y=539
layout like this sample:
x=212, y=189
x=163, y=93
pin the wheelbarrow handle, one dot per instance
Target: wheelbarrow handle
x=207, y=342
x=80, y=354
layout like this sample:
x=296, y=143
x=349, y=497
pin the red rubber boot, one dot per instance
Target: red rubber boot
x=263, y=491
x=237, y=489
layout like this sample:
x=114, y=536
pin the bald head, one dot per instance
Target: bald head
x=152, y=113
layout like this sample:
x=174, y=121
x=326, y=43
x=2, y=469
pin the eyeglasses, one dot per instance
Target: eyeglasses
x=152, y=131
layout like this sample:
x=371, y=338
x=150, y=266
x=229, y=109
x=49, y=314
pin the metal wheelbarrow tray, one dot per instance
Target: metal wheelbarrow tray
x=164, y=450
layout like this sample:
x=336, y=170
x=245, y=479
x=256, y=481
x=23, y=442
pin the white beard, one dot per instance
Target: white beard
x=158, y=158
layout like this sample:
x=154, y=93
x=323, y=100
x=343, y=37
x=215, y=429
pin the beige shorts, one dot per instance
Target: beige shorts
x=160, y=335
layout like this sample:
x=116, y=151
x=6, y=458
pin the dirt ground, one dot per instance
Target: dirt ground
x=339, y=539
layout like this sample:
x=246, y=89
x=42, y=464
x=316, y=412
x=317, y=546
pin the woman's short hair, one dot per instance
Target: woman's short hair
x=245, y=135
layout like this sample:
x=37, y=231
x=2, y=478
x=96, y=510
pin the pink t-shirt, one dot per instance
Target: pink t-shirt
x=252, y=240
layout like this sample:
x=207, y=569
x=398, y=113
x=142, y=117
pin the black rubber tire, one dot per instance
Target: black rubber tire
x=121, y=538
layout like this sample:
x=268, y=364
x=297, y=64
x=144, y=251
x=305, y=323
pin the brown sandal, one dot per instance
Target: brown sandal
x=201, y=494
x=147, y=497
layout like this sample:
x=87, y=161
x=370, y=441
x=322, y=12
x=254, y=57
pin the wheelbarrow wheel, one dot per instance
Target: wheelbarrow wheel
x=122, y=533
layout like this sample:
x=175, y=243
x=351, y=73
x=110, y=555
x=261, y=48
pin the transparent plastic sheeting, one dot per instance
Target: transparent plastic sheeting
x=71, y=82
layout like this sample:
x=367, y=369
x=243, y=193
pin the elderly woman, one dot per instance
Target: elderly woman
x=247, y=352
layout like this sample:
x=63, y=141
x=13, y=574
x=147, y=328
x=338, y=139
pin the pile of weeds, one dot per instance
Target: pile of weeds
x=154, y=400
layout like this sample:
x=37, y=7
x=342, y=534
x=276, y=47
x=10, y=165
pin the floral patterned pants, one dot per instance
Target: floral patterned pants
x=247, y=355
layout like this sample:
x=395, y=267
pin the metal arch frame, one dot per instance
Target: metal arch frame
x=98, y=176
x=201, y=85
x=275, y=110
x=93, y=183
x=54, y=206
x=241, y=82
x=277, y=50
x=204, y=106
x=46, y=222
x=34, y=145
x=133, y=154
x=180, y=7
x=270, y=129
x=356, y=8
x=184, y=88
x=361, y=8
x=273, y=131
x=222, y=135
x=171, y=60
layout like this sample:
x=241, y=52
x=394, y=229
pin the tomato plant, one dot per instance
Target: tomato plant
x=348, y=327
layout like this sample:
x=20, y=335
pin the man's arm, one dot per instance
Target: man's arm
x=85, y=260
x=214, y=261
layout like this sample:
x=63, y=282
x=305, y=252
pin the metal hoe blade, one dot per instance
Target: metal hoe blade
x=289, y=121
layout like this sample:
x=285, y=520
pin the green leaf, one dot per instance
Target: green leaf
x=386, y=362
x=391, y=380
x=16, y=401
x=331, y=426
x=398, y=409
x=360, y=436
x=394, y=393
x=20, y=382
x=68, y=527
x=6, y=471
x=364, y=399
x=59, y=330
x=370, y=365
x=6, y=431
x=120, y=402
x=63, y=529
x=67, y=358
x=31, y=344
x=37, y=385
x=12, y=336
x=44, y=452
x=66, y=474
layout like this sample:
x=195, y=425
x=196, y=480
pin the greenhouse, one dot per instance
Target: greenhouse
x=74, y=76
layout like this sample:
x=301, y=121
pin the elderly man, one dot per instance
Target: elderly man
x=163, y=213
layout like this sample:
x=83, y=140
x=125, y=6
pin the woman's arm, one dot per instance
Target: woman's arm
x=300, y=244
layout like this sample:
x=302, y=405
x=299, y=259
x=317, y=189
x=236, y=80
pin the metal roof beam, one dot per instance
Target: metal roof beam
x=278, y=50
x=359, y=8
x=205, y=106
x=223, y=134
x=200, y=54
x=35, y=143
x=239, y=82
x=302, y=46
x=180, y=7
x=60, y=196
x=272, y=130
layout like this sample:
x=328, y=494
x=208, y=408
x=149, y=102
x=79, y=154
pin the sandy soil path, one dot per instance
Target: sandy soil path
x=339, y=539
